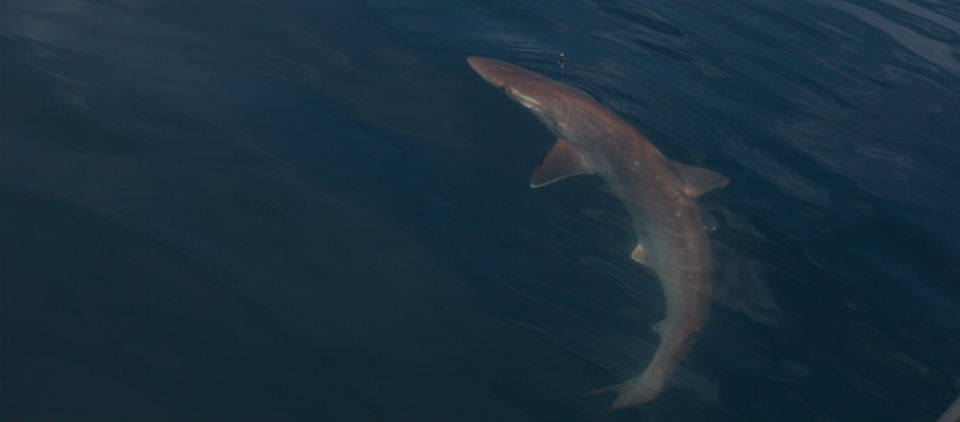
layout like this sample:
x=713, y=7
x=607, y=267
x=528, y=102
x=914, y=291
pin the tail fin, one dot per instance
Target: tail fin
x=633, y=392
x=953, y=412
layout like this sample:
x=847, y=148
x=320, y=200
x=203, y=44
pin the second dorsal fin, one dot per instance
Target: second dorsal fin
x=561, y=162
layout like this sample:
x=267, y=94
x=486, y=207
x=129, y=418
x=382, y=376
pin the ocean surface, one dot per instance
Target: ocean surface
x=313, y=209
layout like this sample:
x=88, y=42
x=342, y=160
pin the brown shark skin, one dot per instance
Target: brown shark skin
x=664, y=215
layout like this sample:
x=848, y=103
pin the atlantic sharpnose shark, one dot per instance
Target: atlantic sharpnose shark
x=658, y=194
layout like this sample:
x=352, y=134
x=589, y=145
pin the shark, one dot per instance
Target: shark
x=659, y=195
x=952, y=414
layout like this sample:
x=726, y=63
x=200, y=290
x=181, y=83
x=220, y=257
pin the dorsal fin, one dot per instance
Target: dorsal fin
x=698, y=181
x=561, y=162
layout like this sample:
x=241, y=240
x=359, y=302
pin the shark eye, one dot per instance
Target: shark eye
x=504, y=88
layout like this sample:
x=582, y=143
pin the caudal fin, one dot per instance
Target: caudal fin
x=633, y=392
x=953, y=412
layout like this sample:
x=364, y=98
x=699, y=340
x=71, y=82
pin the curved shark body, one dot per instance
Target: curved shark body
x=658, y=194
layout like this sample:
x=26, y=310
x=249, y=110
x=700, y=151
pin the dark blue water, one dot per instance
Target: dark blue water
x=297, y=209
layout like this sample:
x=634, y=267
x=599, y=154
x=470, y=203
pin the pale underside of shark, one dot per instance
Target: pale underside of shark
x=659, y=195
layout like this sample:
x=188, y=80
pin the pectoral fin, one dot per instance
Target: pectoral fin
x=561, y=162
x=698, y=181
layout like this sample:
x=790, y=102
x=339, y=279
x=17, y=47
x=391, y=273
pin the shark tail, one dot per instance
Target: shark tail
x=635, y=391
x=953, y=412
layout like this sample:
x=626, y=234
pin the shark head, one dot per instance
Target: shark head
x=546, y=98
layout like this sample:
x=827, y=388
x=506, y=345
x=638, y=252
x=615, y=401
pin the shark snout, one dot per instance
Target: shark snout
x=486, y=68
x=505, y=76
x=480, y=63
